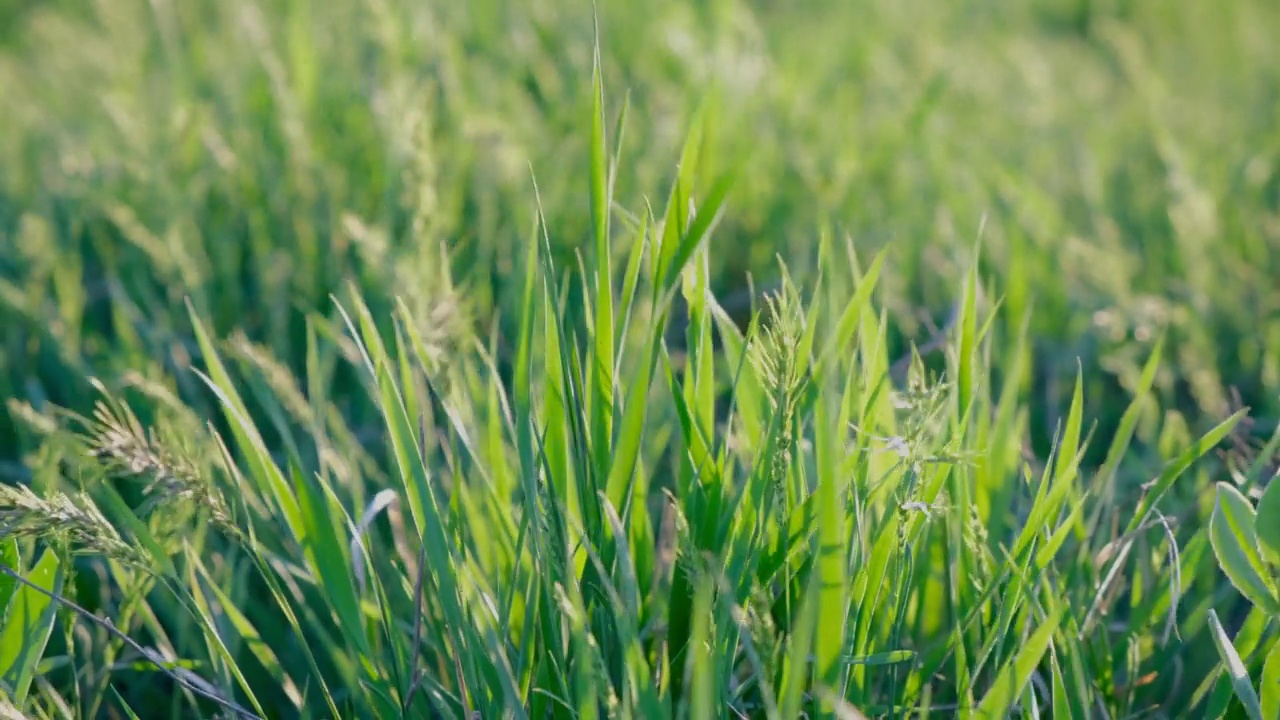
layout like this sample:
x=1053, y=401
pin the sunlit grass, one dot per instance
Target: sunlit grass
x=357, y=369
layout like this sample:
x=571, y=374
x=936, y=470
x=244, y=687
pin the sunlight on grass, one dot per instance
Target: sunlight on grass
x=673, y=361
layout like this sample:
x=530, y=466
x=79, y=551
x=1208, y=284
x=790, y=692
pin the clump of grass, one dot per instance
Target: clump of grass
x=510, y=496
x=858, y=548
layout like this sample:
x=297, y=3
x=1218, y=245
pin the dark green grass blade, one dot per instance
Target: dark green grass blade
x=248, y=634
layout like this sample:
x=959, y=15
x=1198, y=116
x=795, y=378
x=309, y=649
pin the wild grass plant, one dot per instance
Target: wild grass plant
x=324, y=405
x=824, y=544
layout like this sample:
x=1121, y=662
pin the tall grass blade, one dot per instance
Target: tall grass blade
x=271, y=482
x=601, y=372
x=833, y=603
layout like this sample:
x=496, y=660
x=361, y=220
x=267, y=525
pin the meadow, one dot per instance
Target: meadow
x=690, y=360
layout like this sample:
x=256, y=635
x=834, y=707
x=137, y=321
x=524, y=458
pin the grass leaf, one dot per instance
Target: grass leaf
x=1017, y=671
x=1267, y=523
x=1231, y=532
x=28, y=624
x=1236, y=670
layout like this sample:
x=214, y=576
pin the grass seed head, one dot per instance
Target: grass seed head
x=60, y=518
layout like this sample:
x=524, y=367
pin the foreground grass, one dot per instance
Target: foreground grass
x=761, y=524
x=1119, y=160
x=331, y=411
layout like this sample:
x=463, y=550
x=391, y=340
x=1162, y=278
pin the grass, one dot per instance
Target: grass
x=513, y=360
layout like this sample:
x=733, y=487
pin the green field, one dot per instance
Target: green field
x=707, y=359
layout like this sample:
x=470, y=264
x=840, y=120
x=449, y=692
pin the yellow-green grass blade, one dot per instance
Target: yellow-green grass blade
x=1016, y=673
x=28, y=621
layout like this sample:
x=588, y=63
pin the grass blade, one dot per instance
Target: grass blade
x=1179, y=465
x=12, y=559
x=1236, y=670
x=1269, y=687
x=698, y=231
x=1016, y=673
x=1267, y=523
x=28, y=624
x=1231, y=532
x=601, y=398
x=701, y=667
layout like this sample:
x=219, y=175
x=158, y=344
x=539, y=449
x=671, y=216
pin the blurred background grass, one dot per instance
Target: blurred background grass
x=1117, y=159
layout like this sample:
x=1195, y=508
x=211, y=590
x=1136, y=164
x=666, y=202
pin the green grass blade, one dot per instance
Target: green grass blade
x=701, y=668
x=11, y=558
x=703, y=221
x=28, y=623
x=1061, y=706
x=212, y=637
x=833, y=601
x=1064, y=470
x=630, y=283
x=1053, y=490
x=1179, y=465
x=429, y=518
x=836, y=346
x=128, y=711
x=1016, y=673
x=249, y=635
x=967, y=351
x=1231, y=532
x=602, y=360
x=800, y=650
x=271, y=482
x=673, y=223
x=328, y=556
x=599, y=174
x=278, y=594
x=638, y=675
x=1129, y=421
x=1267, y=523
x=1269, y=686
x=891, y=657
x=1236, y=670
x=871, y=581
x=626, y=453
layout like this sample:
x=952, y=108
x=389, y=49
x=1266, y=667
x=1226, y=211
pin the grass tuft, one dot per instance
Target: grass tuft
x=512, y=360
